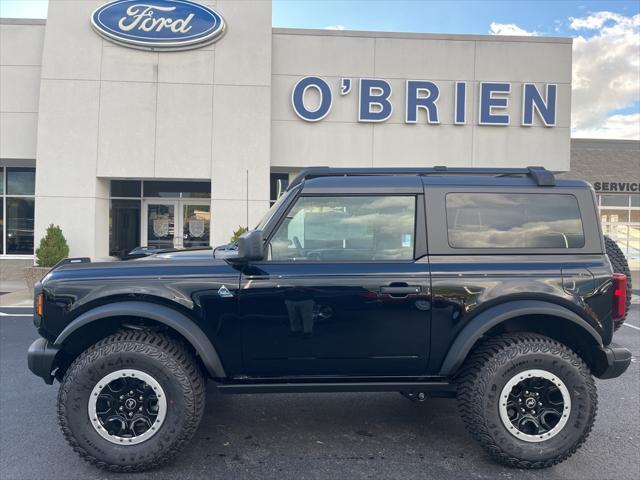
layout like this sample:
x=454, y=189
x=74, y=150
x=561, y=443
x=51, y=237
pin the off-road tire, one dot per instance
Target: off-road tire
x=169, y=363
x=487, y=371
x=620, y=265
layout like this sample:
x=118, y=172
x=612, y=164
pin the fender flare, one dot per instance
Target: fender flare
x=173, y=319
x=493, y=316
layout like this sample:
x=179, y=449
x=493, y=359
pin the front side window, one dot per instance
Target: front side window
x=362, y=228
x=508, y=220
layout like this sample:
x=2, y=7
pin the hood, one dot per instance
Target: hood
x=182, y=262
x=193, y=253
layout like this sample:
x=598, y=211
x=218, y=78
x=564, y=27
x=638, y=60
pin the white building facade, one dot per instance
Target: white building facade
x=124, y=147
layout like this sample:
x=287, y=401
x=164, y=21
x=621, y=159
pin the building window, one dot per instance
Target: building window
x=124, y=226
x=17, y=206
x=620, y=216
x=124, y=216
x=172, y=189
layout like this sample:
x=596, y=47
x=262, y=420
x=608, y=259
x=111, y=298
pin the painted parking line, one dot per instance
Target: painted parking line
x=631, y=326
x=16, y=310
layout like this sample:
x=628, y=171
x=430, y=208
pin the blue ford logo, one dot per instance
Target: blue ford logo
x=158, y=24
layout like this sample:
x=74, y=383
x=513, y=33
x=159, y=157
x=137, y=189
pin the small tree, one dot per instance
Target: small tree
x=239, y=231
x=53, y=247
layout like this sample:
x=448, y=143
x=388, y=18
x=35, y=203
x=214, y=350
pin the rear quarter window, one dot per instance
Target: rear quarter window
x=513, y=220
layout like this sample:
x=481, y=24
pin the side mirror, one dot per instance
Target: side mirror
x=251, y=246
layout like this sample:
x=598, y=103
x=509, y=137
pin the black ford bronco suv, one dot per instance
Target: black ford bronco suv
x=489, y=285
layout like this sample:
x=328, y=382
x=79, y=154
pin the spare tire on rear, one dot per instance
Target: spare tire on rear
x=620, y=265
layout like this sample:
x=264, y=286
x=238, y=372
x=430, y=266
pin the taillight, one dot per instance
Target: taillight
x=619, y=296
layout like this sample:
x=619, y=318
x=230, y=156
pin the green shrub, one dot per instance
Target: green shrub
x=53, y=247
x=239, y=231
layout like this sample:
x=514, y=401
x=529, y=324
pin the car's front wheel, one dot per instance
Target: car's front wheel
x=131, y=401
x=529, y=400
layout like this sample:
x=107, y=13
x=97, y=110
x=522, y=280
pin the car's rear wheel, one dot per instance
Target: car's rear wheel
x=131, y=401
x=529, y=400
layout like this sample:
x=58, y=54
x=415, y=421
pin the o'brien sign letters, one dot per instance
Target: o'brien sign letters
x=158, y=24
x=375, y=104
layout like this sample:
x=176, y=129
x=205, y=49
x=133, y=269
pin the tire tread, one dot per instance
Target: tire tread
x=477, y=373
x=163, y=348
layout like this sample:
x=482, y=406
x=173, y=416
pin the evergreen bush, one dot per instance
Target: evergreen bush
x=238, y=233
x=53, y=247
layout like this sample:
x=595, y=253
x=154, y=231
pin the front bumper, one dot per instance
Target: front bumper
x=611, y=361
x=42, y=359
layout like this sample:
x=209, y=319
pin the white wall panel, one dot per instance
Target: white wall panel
x=521, y=61
x=72, y=50
x=18, y=133
x=519, y=146
x=19, y=88
x=184, y=123
x=301, y=144
x=410, y=58
x=21, y=42
x=127, y=130
x=68, y=139
x=322, y=55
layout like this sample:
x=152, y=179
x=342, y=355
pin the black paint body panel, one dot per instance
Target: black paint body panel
x=315, y=320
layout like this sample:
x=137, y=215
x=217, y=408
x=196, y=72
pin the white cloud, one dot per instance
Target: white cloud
x=597, y=20
x=606, y=75
x=334, y=27
x=509, y=29
x=616, y=126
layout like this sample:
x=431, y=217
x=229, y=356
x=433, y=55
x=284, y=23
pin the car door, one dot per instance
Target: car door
x=345, y=290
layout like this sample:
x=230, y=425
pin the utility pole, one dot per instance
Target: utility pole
x=247, y=199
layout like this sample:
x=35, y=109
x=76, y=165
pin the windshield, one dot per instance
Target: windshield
x=271, y=212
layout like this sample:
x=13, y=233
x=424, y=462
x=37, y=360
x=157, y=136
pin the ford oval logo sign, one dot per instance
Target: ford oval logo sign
x=158, y=24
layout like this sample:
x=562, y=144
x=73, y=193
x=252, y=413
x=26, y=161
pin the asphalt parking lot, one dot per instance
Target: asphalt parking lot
x=311, y=436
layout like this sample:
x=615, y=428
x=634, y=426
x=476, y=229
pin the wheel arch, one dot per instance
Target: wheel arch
x=105, y=319
x=538, y=316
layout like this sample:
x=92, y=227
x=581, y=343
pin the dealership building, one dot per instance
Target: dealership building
x=126, y=141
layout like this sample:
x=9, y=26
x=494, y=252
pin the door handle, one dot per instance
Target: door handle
x=400, y=290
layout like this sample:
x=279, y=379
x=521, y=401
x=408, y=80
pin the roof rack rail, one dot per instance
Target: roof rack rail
x=540, y=175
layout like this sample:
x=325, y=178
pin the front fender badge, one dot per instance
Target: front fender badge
x=224, y=292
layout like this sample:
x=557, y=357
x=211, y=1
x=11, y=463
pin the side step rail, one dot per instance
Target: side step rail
x=305, y=387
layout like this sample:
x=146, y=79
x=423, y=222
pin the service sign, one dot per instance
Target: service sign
x=158, y=24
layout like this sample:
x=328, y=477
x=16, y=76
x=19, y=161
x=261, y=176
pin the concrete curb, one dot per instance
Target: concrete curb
x=19, y=298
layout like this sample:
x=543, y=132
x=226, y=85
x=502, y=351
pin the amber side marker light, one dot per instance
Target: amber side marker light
x=40, y=304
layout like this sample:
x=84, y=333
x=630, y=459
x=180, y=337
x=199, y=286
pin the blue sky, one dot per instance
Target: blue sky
x=462, y=16
x=606, y=49
x=547, y=17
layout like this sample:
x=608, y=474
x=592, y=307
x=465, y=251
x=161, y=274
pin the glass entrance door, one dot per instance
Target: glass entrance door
x=196, y=221
x=176, y=223
x=160, y=231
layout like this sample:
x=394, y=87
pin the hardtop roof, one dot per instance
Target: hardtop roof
x=413, y=178
x=414, y=183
